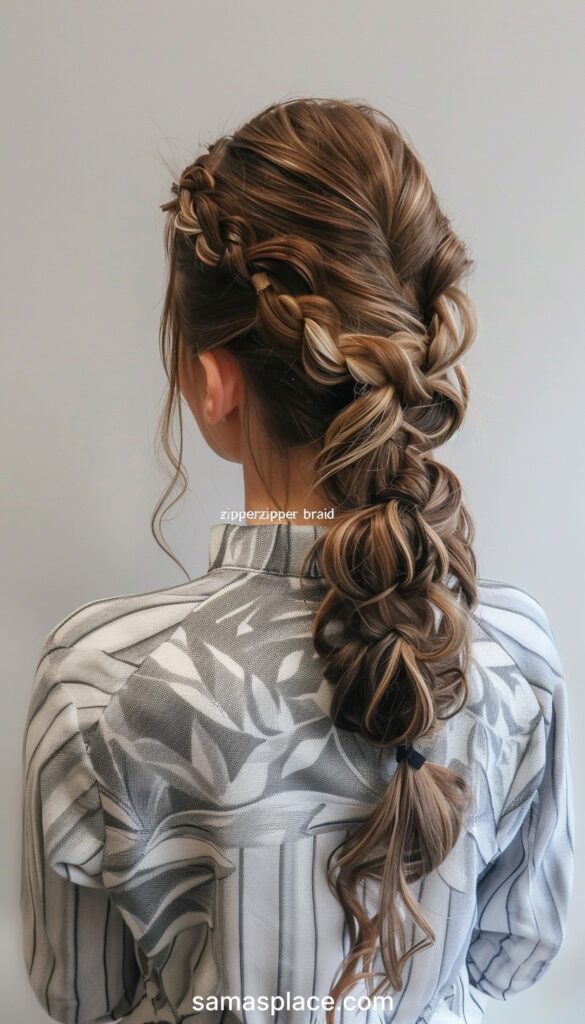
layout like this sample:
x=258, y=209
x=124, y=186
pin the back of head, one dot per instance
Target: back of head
x=311, y=243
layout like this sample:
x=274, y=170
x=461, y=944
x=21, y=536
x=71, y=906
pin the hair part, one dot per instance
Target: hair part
x=353, y=348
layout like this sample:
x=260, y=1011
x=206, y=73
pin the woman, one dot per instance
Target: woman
x=332, y=772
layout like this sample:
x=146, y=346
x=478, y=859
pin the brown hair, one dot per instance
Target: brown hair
x=353, y=348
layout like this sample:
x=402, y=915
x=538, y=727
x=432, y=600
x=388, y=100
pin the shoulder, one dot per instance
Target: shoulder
x=515, y=620
x=121, y=622
x=513, y=611
x=92, y=650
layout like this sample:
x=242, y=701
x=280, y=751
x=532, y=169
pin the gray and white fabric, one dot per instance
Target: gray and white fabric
x=184, y=786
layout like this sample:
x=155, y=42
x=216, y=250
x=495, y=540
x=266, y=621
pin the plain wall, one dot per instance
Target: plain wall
x=96, y=98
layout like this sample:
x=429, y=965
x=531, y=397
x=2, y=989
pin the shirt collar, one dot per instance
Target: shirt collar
x=271, y=547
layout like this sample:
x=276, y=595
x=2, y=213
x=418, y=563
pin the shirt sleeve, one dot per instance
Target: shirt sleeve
x=523, y=895
x=78, y=950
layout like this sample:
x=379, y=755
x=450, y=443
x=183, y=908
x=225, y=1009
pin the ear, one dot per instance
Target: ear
x=222, y=386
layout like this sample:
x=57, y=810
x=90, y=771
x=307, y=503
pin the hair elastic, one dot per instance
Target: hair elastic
x=260, y=281
x=360, y=389
x=406, y=752
x=177, y=186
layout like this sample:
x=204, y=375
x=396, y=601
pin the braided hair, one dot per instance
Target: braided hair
x=312, y=245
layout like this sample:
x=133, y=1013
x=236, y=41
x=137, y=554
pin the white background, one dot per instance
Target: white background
x=100, y=102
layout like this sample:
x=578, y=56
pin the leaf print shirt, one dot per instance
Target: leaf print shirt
x=184, y=786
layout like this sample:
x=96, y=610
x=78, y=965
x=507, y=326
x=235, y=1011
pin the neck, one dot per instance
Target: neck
x=287, y=493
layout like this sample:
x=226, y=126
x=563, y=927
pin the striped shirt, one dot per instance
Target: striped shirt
x=184, y=785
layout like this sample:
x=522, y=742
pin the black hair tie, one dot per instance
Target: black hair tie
x=406, y=752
